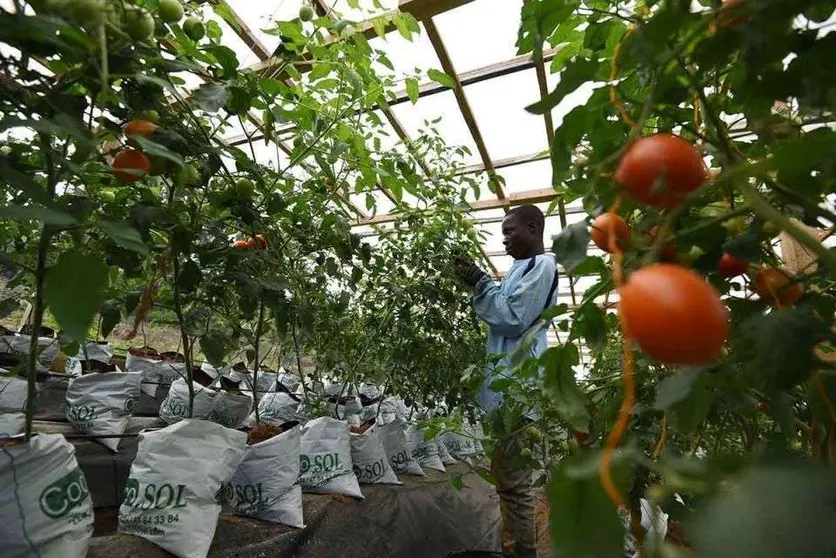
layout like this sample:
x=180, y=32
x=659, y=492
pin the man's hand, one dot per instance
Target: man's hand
x=469, y=272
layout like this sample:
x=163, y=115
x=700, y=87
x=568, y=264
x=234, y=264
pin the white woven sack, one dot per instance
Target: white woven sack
x=266, y=484
x=424, y=451
x=101, y=404
x=148, y=368
x=45, y=506
x=459, y=445
x=227, y=409
x=325, y=459
x=371, y=464
x=13, y=391
x=393, y=437
x=445, y=456
x=276, y=407
x=170, y=496
x=48, y=347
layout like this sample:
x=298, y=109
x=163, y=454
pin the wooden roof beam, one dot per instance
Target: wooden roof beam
x=241, y=29
x=518, y=198
x=464, y=105
x=421, y=10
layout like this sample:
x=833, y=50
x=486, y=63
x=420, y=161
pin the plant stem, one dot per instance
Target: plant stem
x=764, y=209
x=40, y=272
x=184, y=337
x=299, y=363
x=257, y=363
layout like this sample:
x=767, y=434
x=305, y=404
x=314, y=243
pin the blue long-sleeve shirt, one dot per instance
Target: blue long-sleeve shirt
x=510, y=309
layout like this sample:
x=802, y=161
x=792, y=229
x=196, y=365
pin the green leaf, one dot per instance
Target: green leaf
x=125, y=236
x=778, y=347
x=215, y=345
x=111, y=314
x=575, y=74
x=402, y=26
x=591, y=324
x=37, y=213
x=412, y=89
x=457, y=480
x=689, y=413
x=73, y=291
x=584, y=523
x=569, y=401
x=189, y=276
x=154, y=148
x=440, y=77
x=211, y=97
x=570, y=245
x=777, y=511
x=674, y=389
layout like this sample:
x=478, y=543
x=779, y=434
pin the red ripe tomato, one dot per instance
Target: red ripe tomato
x=130, y=165
x=668, y=251
x=776, y=287
x=731, y=14
x=600, y=231
x=241, y=244
x=660, y=170
x=730, y=266
x=581, y=437
x=144, y=128
x=674, y=315
x=763, y=407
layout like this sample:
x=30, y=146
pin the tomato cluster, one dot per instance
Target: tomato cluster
x=673, y=314
x=258, y=241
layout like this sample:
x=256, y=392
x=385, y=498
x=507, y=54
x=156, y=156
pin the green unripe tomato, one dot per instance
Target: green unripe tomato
x=188, y=175
x=107, y=196
x=245, y=188
x=194, y=28
x=526, y=453
x=735, y=225
x=88, y=13
x=138, y=24
x=170, y=11
x=533, y=434
x=150, y=115
x=770, y=229
x=306, y=13
x=339, y=26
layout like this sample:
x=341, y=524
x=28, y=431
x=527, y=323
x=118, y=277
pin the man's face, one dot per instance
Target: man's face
x=518, y=237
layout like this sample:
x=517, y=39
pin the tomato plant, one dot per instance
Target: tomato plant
x=124, y=199
x=676, y=88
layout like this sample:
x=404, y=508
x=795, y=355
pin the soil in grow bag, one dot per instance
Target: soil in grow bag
x=171, y=356
x=361, y=428
x=201, y=377
x=145, y=352
x=265, y=431
x=96, y=367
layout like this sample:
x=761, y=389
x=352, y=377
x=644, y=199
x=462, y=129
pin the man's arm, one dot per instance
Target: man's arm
x=510, y=315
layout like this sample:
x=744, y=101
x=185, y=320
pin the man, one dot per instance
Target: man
x=510, y=310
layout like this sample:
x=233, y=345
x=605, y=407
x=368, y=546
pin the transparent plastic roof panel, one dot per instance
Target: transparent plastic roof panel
x=451, y=126
x=465, y=30
x=498, y=105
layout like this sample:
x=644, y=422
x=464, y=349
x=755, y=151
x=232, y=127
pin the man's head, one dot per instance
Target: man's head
x=522, y=232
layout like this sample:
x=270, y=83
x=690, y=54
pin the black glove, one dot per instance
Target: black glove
x=471, y=273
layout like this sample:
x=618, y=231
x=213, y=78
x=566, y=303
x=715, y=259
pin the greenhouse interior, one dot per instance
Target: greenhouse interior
x=417, y=278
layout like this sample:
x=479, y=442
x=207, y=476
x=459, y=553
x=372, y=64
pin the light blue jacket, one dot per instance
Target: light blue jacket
x=510, y=309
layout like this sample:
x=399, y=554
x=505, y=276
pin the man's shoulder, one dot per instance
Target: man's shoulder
x=546, y=262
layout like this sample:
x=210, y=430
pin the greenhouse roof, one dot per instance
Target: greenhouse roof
x=484, y=111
